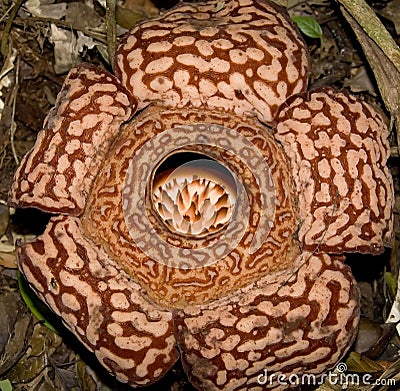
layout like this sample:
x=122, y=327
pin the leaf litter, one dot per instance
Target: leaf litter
x=49, y=37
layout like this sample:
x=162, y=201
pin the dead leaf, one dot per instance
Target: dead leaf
x=392, y=12
x=80, y=16
x=67, y=47
x=359, y=363
x=15, y=329
x=45, y=9
x=360, y=81
x=372, y=338
x=126, y=18
x=4, y=219
x=8, y=261
x=386, y=73
x=35, y=361
x=143, y=7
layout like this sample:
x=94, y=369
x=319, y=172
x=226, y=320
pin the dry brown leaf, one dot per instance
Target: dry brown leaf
x=81, y=16
x=8, y=260
x=359, y=81
x=392, y=12
x=15, y=329
x=386, y=74
x=143, y=7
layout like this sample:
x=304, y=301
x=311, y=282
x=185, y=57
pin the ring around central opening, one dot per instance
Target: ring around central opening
x=193, y=194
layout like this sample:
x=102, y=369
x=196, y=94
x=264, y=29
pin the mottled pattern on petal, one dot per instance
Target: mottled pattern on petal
x=242, y=56
x=337, y=147
x=57, y=174
x=99, y=303
x=298, y=321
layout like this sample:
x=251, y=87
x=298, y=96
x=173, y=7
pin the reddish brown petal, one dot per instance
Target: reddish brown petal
x=57, y=174
x=99, y=303
x=337, y=147
x=287, y=323
x=241, y=56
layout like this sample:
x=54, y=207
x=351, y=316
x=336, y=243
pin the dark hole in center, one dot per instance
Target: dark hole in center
x=178, y=159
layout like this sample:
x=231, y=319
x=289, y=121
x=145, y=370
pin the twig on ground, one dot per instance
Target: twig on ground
x=111, y=28
x=7, y=28
x=13, y=125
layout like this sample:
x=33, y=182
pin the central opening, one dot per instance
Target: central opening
x=193, y=194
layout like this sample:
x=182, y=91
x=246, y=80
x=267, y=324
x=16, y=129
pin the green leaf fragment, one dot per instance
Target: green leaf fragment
x=32, y=302
x=308, y=26
x=391, y=282
x=5, y=385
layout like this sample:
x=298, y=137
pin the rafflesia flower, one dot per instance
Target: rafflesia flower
x=211, y=225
